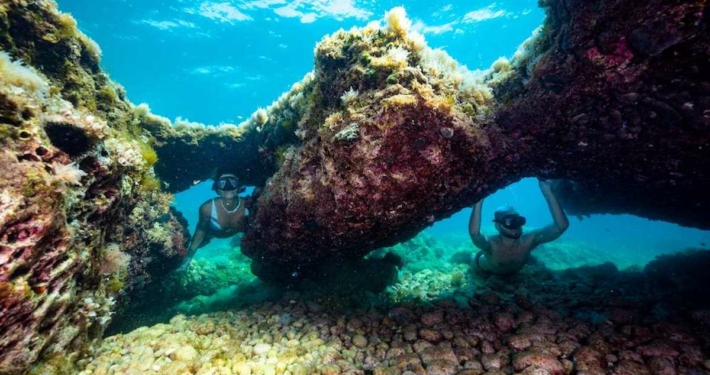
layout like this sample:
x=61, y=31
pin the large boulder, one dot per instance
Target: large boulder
x=619, y=102
x=83, y=224
x=610, y=94
x=393, y=139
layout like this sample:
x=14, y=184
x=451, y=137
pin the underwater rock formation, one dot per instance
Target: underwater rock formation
x=82, y=220
x=618, y=100
x=185, y=148
x=190, y=152
x=385, y=137
x=613, y=96
x=393, y=140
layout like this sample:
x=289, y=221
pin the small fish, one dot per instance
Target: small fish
x=195, y=182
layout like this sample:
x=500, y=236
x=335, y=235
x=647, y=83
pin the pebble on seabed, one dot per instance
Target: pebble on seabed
x=436, y=340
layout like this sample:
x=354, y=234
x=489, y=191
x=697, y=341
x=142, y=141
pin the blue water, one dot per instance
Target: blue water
x=206, y=62
x=216, y=62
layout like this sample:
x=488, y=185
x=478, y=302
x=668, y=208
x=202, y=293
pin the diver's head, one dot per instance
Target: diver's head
x=227, y=184
x=508, y=221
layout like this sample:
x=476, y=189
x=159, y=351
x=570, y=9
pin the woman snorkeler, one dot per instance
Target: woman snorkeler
x=220, y=217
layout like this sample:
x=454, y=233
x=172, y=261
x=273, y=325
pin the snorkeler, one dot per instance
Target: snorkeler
x=219, y=217
x=507, y=252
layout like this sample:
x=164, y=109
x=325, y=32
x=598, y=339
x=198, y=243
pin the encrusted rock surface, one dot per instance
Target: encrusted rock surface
x=82, y=221
x=613, y=95
x=392, y=141
x=620, y=103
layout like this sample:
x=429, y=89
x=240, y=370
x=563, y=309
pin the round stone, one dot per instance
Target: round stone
x=184, y=353
x=360, y=341
x=261, y=349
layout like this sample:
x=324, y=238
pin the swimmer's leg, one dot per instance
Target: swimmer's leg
x=480, y=263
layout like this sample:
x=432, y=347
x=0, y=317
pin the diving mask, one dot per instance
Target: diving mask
x=513, y=221
x=228, y=183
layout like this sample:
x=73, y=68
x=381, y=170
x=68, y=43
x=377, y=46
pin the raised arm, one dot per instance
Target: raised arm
x=560, y=222
x=474, y=228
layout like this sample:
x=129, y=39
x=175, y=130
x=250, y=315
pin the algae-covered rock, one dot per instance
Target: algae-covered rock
x=618, y=100
x=392, y=140
x=82, y=220
x=386, y=135
x=612, y=95
x=190, y=152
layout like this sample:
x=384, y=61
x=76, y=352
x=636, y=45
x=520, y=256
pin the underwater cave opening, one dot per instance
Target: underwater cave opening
x=625, y=240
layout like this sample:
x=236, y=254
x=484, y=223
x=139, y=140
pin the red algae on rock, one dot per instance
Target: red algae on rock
x=399, y=130
x=78, y=212
x=390, y=121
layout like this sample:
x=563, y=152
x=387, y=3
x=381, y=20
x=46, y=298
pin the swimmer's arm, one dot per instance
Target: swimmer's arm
x=197, y=238
x=474, y=228
x=560, y=222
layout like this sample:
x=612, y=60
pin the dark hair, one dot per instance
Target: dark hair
x=221, y=171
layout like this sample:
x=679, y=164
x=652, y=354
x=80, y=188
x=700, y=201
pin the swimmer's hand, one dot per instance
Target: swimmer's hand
x=544, y=185
x=185, y=264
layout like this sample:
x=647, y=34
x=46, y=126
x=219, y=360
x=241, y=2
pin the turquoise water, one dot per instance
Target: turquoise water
x=217, y=62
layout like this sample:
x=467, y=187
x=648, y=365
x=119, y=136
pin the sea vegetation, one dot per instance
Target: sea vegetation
x=75, y=210
x=374, y=91
x=398, y=129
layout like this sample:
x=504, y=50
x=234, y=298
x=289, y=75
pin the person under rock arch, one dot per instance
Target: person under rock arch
x=508, y=251
x=220, y=217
